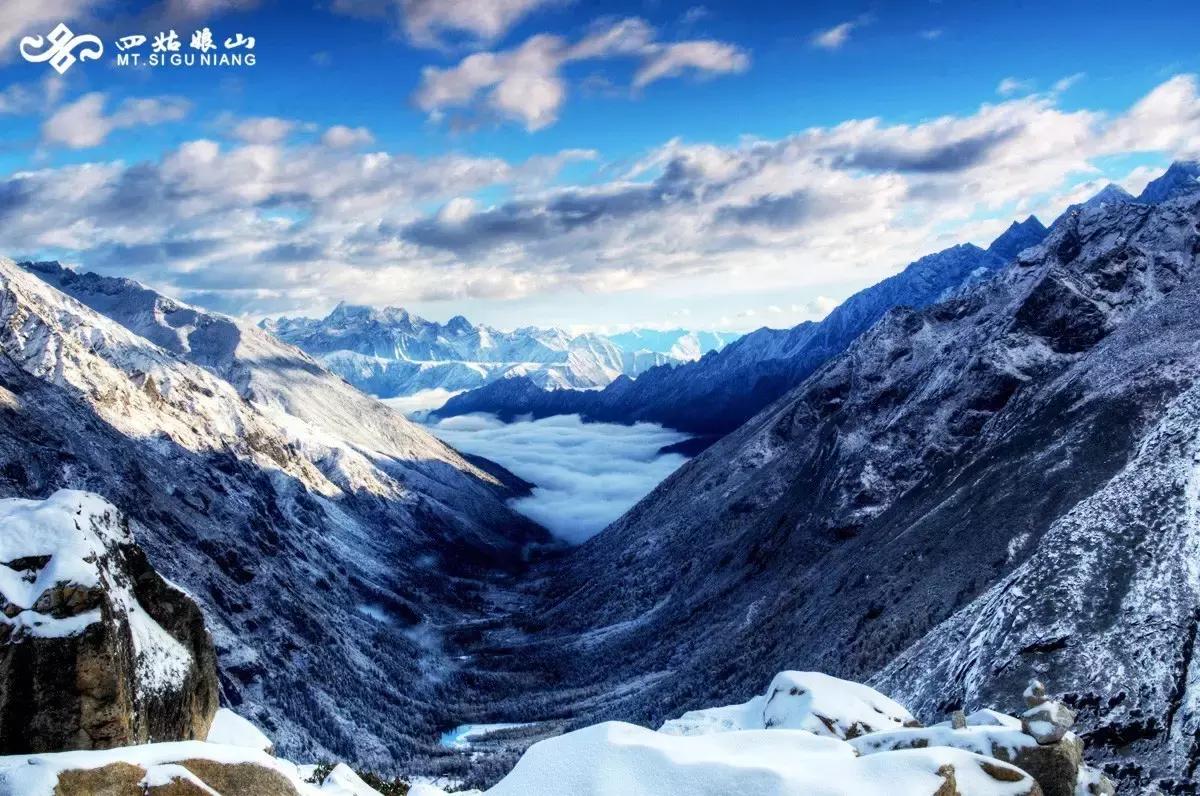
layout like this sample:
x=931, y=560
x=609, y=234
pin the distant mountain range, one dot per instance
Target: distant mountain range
x=392, y=353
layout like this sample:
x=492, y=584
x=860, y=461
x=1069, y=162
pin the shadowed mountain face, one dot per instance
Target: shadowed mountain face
x=721, y=391
x=327, y=539
x=1000, y=485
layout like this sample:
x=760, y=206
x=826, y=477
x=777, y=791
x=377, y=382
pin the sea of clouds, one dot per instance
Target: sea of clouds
x=586, y=474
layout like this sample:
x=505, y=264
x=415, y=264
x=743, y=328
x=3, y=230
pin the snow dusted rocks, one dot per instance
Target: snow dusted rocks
x=1056, y=765
x=96, y=650
x=811, y=701
x=874, y=724
x=1046, y=720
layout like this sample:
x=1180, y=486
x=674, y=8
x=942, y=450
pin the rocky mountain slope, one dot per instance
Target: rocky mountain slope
x=1001, y=484
x=724, y=389
x=327, y=539
x=391, y=353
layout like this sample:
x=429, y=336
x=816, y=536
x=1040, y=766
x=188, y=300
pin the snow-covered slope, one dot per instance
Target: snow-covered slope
x=326, y=537
x=809, y=701
x=999, y=485
x=392, y=353
x=617, y=759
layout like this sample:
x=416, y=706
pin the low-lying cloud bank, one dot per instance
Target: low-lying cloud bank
x=587, y=474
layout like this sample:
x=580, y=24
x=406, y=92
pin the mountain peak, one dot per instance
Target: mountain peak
x=1182, y=177
x=1109, y=194
x=459, y=325
x=1019, y=236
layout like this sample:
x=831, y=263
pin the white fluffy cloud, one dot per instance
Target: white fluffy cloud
x=705, y=57
x=587, y=474
x=297, y=224
x=834, y=38
x=339, y=136
x=427, y=20
x=438, y=23
x=263, y=129
x=83, y=123
x=525, y=84
x=1010, y=86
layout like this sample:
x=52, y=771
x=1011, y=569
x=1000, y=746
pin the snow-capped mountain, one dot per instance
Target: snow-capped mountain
x=677, y=345
x=1001, y=485
x=723, y=389
x=392, y=353
x=326, y=538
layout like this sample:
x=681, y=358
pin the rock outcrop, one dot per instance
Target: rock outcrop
x=96, y=649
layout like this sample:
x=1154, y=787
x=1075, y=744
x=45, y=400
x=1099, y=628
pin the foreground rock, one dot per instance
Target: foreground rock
x=96, y=649
x=1040, y=743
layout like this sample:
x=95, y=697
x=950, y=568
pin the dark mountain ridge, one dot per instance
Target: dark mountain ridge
x=723, y=389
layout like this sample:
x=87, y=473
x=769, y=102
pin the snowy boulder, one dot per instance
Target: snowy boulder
x=1048, y=722
x=617, y=759
x=811, y=701
x=96, y=649
x=1055, y=767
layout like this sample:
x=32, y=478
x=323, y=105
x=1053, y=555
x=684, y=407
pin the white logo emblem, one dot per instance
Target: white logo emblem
x=58, y=48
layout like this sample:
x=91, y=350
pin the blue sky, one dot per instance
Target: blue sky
x=569, y=163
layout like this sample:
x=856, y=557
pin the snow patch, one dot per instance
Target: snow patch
x=230, y=729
